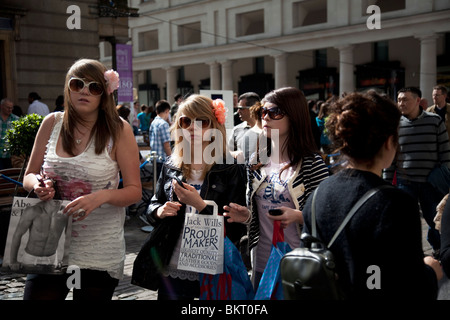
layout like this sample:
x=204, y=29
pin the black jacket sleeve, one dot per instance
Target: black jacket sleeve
x=445, y=239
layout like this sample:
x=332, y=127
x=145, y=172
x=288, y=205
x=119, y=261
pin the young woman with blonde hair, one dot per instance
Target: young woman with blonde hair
x=199, y=161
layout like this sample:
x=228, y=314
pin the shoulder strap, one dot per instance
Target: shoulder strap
x=353, y=210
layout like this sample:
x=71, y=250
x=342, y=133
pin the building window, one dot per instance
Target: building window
x=259, y=65
x=189, y=34
x=107, y=48
x=381, y=51
x=6, y=24
x=320, y=58
x=148, y=40
x=309, y=12
x=250, y=23
x=385, y=5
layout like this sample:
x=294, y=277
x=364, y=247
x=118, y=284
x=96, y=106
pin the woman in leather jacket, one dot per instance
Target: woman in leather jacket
x=208, y=177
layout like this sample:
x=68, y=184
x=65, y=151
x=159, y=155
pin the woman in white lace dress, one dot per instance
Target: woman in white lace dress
x=80, y=153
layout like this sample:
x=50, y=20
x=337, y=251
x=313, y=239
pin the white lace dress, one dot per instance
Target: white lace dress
x=98, y=241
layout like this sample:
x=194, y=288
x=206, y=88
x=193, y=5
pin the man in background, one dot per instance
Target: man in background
x=245, y=101
x=173, y=110
x=440, y=106
x=37, y=106
x=159, y=134
x=423, y=143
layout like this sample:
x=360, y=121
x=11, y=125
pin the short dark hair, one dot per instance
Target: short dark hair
x=161, y=106
x=34, y=96
x=250, y=98
x=177, y=96
x=442, y=88
x=59, y=100
x=413, y=90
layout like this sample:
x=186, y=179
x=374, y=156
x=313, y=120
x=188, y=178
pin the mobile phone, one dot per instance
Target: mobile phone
x=275, y=212
x=40, y=180
x=179, y=182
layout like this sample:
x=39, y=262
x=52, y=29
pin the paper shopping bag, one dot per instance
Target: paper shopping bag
x=202, y=242
x=38, y=237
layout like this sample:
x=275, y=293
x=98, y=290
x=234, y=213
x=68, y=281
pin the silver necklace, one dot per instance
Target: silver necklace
x=78, y=141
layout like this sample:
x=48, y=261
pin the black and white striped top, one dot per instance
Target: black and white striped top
x=423, y=143
x=308, y=175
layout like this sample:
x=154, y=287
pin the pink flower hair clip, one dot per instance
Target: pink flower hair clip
x=219, y=110
x=112, y=80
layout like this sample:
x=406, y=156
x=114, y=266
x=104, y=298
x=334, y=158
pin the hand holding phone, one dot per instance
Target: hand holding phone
x=275, y=212
x=179, y=182
x=40, y=179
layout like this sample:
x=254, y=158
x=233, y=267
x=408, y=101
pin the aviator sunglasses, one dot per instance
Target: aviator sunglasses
x=185, y=122
x=274, y=113
x=77, y=85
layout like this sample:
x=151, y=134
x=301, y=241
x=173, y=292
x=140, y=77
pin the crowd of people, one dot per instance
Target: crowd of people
x=279, y=145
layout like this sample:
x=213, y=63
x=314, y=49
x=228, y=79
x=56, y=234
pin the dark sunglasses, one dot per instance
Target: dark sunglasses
x=77, y=85
x=185, y=122
x=274, y=113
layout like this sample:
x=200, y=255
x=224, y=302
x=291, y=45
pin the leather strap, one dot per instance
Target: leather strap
x=352, y=212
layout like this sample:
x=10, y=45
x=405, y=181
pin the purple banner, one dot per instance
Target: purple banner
x=124, y=56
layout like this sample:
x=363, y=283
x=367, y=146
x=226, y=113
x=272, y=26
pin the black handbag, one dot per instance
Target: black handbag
x=149, y=262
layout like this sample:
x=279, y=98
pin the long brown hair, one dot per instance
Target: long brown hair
x=300, y=141
x=108, y=123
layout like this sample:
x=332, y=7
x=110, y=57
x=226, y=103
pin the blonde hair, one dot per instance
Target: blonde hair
x=108, y=123
x=195, y=107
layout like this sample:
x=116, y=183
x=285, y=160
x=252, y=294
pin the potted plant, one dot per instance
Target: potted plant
x=20, y=138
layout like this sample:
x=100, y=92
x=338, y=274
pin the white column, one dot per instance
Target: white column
x=281, y=70
x=346, y=68
x=214, y=75
x=227, y=75
x=428, y=64
x=171, y=78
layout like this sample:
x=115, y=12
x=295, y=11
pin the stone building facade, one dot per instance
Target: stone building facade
x=40, y=40
x=320, y=46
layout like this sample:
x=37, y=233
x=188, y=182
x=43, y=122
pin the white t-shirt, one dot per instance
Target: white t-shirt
x=39, y=108
x=271, y=194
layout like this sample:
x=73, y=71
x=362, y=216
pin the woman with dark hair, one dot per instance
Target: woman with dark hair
x=287, y=171
x=385, y=233
x=80, y=152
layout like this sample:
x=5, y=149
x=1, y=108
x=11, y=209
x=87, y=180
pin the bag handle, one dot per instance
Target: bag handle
x=214, y=205
x=352, y=212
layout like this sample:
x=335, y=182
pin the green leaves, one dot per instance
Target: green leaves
x=20, y=138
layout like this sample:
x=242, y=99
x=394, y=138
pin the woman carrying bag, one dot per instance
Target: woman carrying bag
x=284, y=179
x=196, y=171
x=385, y=233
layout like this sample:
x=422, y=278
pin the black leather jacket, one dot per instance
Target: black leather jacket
x=223, y=184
